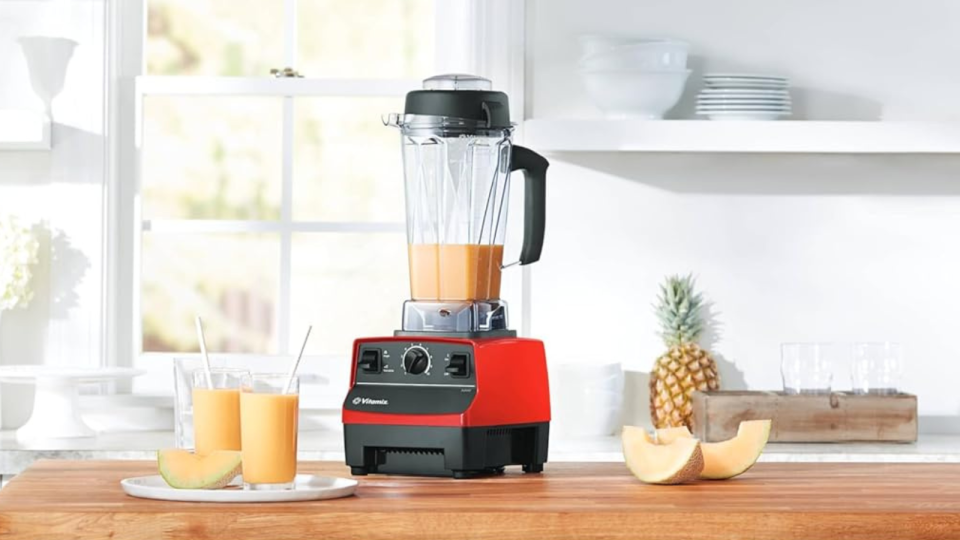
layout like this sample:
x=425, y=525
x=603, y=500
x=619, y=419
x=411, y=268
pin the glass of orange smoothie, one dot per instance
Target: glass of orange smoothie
x=216, y=410
x=269, y=419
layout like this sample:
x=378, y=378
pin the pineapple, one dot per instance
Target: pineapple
x=685, y=367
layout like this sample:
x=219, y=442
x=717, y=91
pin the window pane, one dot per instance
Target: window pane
x=347, y=286
x=365, y=38
x=214, y=37
x=230, y=280
x=347, y=164
x=212, y=157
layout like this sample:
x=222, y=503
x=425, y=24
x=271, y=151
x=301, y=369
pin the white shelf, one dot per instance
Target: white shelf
x=813, y=137
x=24, y=130
x=270, y=86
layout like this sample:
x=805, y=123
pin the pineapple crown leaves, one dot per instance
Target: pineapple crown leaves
x=678, y=309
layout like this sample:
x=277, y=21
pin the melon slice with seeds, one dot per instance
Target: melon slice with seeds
x=726, y=459
x=675, y=463
x=186, y=470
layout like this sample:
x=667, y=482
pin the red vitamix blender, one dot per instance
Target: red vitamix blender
x=455, y=392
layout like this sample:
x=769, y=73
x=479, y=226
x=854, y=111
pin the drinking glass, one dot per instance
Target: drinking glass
x=183, y=402
x=876, y=368
x=268, y=419
x=184, y=366
x=216, y=409
x=807, y=368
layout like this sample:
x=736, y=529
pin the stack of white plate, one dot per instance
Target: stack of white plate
x=736, y=96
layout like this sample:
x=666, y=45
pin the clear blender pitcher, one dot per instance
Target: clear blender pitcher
x=457, y=158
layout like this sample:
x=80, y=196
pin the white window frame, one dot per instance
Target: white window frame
x=485, y=37
x=286, y=90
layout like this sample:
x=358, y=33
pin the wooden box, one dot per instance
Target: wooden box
x=835, y=417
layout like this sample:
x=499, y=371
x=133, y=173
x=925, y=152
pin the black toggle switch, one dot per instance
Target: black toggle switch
x=370, y=361
x=459, y=365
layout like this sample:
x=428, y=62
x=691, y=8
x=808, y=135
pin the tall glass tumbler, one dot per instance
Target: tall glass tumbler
x=269, y=419
x=877, y=368
x=216, y=409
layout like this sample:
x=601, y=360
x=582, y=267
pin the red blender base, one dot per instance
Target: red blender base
x=438, y=406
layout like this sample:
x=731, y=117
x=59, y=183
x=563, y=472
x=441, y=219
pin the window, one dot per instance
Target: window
x=267, y=204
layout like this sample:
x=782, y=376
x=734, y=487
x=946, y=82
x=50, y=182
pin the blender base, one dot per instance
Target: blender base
x=458, y=452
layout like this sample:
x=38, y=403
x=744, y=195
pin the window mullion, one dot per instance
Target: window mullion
x=290, y=33
x=268, y=86
x=286, y=234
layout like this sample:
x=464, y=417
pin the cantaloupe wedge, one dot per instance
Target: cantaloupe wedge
x=675, y=463
x=186, y=470
x=734, y=456
x=726, y=459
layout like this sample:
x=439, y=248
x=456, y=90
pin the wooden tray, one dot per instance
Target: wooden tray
x=836, y=417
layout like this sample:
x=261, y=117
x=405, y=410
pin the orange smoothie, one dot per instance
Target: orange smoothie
x=269, y=437
x=455, y=271
x=216, y=419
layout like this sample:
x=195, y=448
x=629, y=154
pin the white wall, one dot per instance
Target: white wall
x=60, y=191
x=787, y=248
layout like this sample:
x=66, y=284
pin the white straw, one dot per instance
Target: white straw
x=296, y=363
x=203, y=349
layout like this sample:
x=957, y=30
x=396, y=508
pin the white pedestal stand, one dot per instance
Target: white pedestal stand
x=56, y=403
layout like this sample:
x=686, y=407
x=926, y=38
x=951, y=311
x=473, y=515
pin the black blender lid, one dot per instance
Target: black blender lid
x=466, y=97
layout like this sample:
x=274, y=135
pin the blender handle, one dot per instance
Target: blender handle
x=534, y=200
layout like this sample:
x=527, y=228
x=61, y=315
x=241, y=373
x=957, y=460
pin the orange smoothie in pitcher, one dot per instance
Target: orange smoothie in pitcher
x=269, y=437
x=216, y=419
x=455, y=271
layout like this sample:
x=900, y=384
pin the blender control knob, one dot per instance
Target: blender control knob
x=416, y=360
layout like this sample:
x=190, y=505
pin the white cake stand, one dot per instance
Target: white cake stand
x=56, y=403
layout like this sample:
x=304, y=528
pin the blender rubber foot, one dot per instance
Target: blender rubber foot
x=533, y=468
x=463, y=475
x=358, y=471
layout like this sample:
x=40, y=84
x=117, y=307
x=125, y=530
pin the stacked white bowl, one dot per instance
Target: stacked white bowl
x=739, y=96
x=633, y=77
x=586, y=399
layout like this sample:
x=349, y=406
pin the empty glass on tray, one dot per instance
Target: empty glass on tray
x=876, y=368
x=807, y=368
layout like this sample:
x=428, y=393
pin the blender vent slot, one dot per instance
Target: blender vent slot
x=498, y=432
x=413, y=451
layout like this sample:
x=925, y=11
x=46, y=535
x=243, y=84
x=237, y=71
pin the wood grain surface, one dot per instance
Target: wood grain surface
x=781, y=501
x=835, y=417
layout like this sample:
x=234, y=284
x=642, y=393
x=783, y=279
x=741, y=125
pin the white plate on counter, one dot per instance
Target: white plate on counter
x=743, y=115
x=717, y=85
x=746, y=76
x=307, y=487
x=736, y=101
x=745, y=79
x=743, y=92
x=747, y=108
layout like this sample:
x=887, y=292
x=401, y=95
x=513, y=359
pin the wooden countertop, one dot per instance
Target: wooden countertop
x=777, y=501
x=16, y=456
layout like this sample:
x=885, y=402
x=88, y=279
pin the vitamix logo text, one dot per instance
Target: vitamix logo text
x=368, y=401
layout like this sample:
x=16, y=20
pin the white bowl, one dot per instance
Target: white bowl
x=635, y=93
x=595, y=43
x=582, y=412
x=599, y=379
x=648, y=54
